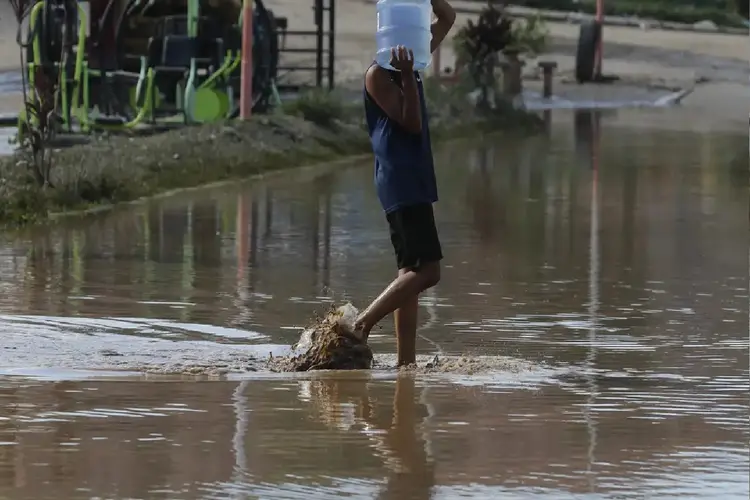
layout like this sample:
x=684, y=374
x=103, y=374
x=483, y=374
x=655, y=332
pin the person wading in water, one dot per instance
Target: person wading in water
x=406, y=186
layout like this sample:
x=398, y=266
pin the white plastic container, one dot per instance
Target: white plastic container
x=407, y=23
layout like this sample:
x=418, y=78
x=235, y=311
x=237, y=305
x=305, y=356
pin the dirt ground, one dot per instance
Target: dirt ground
x=642, y=58
x=9, y=58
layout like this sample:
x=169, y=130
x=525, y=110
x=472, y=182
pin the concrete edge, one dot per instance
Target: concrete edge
x=580, y=17
x=630, y=22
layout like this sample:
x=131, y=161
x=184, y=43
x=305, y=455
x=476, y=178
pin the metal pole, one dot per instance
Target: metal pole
x=319, y=43
x=194, y=12
x=600, y=22
x=331, y=42
x=246, y=90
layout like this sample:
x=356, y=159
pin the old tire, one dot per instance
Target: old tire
x=588, y=39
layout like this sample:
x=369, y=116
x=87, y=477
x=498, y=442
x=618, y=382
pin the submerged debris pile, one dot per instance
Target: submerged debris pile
x=329, y=344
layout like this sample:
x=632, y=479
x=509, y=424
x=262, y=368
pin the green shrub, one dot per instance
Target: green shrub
x=529, y=35
x=319, y=106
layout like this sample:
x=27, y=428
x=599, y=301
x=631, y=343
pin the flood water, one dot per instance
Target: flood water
x=600, y=272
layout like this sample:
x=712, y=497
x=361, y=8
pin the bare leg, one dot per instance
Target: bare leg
x=401, y=292
x=406, y=331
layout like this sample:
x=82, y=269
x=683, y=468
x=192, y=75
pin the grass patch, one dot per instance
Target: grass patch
x=321, y=107
x=318, y=127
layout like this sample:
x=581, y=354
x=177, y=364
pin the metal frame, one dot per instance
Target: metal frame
x=322, y=49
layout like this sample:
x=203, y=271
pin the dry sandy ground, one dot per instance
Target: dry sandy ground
x=355, y=23
x=9, y=58
x=643, y=58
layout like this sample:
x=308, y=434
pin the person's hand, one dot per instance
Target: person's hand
x=402, y=59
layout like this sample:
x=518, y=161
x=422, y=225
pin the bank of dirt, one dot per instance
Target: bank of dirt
x=113, y=169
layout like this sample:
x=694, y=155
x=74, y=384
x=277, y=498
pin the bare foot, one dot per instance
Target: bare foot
x=362, y=328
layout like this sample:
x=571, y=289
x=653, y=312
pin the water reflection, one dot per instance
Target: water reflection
x=515, y=218
x=396, y=435
x=359, y=436
x=586, y=129
x=592, y=137
x=617, y=255
x=487, y=211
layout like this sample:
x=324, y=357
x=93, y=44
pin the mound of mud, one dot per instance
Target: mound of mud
x=329, y=344
x=457, y=364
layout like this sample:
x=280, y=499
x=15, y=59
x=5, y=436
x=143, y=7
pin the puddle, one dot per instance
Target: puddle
x=592, y=333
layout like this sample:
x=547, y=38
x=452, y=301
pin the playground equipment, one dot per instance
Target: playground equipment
x=117, y=64
x=589, y=53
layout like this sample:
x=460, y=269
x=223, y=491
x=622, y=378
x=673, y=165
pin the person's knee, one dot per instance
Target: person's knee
x=430, y=274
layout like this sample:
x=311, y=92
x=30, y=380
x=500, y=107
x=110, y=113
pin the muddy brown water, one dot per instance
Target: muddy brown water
x=595, y=282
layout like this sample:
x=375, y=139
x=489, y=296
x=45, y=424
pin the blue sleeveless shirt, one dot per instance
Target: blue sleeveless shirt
x=404, y=170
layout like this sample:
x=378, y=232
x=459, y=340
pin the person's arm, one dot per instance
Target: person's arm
x=401, y=105
x=445, y=16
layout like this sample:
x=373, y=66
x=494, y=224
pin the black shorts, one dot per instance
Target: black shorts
x=414, y=236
